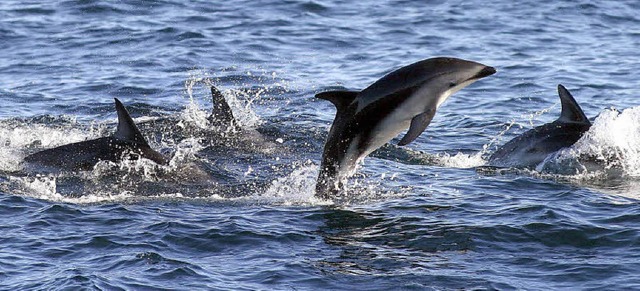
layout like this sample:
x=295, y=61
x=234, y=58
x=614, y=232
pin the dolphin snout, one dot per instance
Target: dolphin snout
x=486, y=71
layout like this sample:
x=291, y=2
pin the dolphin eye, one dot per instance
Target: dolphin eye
x=452, y=84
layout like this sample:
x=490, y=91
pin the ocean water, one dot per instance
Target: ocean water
x=234, y=210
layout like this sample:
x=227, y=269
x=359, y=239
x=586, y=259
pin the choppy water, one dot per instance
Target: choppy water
x=236, y=210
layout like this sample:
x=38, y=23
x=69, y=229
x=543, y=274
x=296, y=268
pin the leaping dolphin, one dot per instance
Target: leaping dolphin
x=405, y=98
x=532, y=147
x=127, y=142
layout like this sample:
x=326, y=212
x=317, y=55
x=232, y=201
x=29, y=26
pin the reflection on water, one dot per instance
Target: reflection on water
x=375, y=244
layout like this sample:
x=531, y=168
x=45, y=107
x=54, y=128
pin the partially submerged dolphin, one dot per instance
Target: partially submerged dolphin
x=127, y=142
x=405, y=98
x=532, y=147
x=230, y=132
x=220, y=120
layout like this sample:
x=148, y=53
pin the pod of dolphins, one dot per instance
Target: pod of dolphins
x=365, y=120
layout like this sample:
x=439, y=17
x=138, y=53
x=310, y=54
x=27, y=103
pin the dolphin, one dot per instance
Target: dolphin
x=532, y=147
x=127, y=142
x=405, y=98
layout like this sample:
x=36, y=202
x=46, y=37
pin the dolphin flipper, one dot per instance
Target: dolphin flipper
x=418, y=124
x=221, y=110
x=571, y=111
x=127, y=129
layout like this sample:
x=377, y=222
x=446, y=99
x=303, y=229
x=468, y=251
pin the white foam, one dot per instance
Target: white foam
x=16, y=136
x=194, y=116
x=147, y=170
x=612, y=142
x=10, y=159
x=295, y=189
x=44, y=188
x=186, y=151
x=242, y=110
x=240, y=102
x=298, y=188
x=461, y=160
x=450, y=160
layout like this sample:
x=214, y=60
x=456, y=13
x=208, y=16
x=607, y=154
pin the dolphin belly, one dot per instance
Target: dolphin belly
x=401, y=118
x=388, y=129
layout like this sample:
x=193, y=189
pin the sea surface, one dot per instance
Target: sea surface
x=235, y=209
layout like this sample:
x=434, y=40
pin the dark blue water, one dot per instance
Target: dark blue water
x=235, y=210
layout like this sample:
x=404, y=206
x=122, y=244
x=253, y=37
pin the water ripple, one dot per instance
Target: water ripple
x=236, y=210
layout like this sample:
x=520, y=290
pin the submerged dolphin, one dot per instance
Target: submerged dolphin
x=405, y=98
x=127, y=142
x=532, y=147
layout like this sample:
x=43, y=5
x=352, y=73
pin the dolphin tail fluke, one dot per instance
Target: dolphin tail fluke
x=571, y=111
x=127, y=129
x=418, y=124
x=221, y=110
x=341, y=99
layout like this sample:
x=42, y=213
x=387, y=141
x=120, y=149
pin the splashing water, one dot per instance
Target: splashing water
x=498, y=140
x=296, y=188
x=461, y=160
x=611, y=144
x=18, y=136
x=197, y=115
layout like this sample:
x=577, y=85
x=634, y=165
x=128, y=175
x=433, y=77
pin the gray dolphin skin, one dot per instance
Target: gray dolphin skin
x=405, y=98
x=532, y=147
x=127, y=142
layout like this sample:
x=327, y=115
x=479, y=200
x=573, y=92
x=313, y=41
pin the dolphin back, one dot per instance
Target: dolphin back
x=408, y=77
x=532, y=147
x=571, y=111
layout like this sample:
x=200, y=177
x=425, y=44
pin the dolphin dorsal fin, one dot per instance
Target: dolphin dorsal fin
x=571, y=111
x=127, y=130
x=341, y=99
x=221, y=110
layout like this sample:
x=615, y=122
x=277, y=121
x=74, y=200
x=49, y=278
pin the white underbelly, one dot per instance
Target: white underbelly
x=389, y=127
x=386, y=131
x=397, y=121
